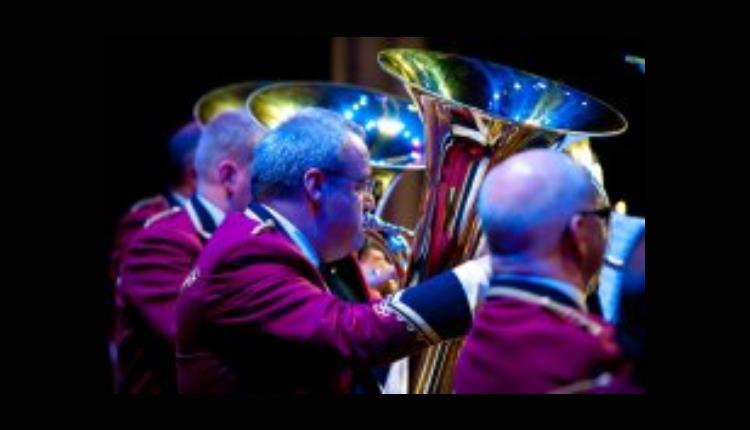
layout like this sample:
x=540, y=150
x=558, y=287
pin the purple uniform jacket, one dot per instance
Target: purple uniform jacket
x=154, y=266
x=519, y=346
x=132, y=222
x=256, y=316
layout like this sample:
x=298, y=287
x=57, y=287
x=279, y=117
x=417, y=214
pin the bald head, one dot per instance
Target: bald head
x=527, y=201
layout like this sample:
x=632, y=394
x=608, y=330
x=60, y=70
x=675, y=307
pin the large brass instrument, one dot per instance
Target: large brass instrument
x=227, y=98
x=476, y=114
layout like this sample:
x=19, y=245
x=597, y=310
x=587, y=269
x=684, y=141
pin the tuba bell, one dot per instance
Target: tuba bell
x=477, y=114
x=227, y=98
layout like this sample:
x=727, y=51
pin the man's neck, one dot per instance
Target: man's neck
x=184, y=191
x=302, y=220
x=549, y=268
x=290, y=211
x=214, y=194
x=292, y=231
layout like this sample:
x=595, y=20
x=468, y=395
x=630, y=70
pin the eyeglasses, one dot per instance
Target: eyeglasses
x=604, y=213
x=361, y=186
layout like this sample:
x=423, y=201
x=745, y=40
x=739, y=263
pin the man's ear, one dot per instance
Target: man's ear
x=189, y=172
x=228, y=174
x=579, y=235
x=190, y=176
x=313, y=183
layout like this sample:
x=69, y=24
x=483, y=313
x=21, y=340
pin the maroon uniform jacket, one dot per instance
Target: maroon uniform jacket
x=256, y=316
x=154, y=265
x=134, y=220
x=529, y=339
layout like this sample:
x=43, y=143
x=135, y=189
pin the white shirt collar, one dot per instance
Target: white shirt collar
x=179, y=198
x=297, y=236
x=216, y=214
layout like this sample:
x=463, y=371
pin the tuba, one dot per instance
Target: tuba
x=393, y=134
x=227, y=98
x=477, y=114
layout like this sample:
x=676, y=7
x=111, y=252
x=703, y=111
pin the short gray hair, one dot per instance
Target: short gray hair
x=313, y=138
x=231, y=135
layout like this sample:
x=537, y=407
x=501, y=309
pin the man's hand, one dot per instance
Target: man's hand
x=379, y=273
x=475, y=278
